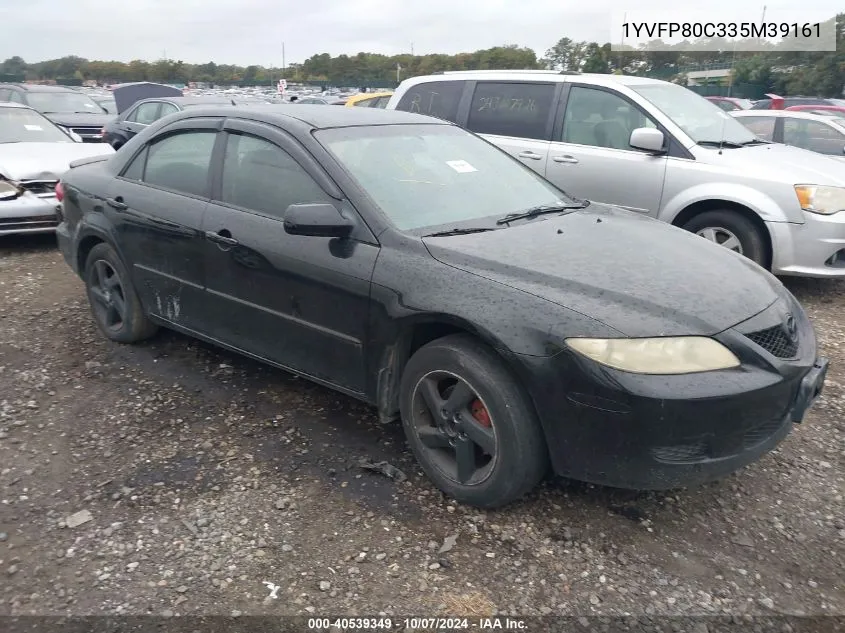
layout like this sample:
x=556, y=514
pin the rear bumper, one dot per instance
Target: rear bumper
x=28, y=214
x=66, y=246
x=662, y=432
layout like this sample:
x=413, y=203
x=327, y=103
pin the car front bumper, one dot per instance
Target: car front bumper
x=815, y=248
x=661, y=432
x=28, y=213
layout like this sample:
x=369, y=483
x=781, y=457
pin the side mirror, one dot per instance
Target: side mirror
x=317, y=220
x=647, y=138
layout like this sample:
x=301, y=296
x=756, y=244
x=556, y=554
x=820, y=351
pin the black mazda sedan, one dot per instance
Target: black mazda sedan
x=410, y=264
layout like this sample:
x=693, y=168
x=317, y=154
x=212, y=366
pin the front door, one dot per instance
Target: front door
x=591, y=157
x=157, y=205
x=301, y=302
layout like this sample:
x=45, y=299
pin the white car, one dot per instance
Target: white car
x=819, y=131
x=34, y=153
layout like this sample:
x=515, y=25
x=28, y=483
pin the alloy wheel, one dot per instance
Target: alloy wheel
x=109, y=299
x=722, y=237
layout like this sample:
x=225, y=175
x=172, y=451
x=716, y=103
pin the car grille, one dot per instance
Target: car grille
x=776, y=341
x=89, y=133
x=31, y=222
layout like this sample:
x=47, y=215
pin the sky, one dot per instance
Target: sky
x=247, y=32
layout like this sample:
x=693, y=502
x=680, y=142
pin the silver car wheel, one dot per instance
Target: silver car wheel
x=722, y=237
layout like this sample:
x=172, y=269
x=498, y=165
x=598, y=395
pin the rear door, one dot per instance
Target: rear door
x=299, y=301
x=157, y=205
x=590, y=156
x=517, y=117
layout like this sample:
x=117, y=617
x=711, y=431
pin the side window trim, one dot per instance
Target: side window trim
x=675, y=149
x=122, y=174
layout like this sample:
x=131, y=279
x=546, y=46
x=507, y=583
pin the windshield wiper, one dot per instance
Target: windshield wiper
x=542, y=209
x=461, y=231
x=756, y=141
x=730, y=144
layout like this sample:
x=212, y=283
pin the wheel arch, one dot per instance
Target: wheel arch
x=689, y=212
x=412, y=334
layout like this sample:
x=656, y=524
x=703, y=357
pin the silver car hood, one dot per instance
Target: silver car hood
x=778, y=162
x=44, y=161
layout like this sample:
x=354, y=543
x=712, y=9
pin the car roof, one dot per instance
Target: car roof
x=43, y=88
x=535, y=75
x=316, y=116
x=189, y=101
x=795, y=114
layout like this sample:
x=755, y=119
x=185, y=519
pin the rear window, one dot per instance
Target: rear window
x=511, y=109
x=434, y=98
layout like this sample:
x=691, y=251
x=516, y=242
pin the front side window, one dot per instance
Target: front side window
x=260, y=176
x=511, y=109
x=434, y=98
x=814, y=136
x=63, y=103
x=20, y=125
x=601, y=119
x=762, y=126
x=146, y=113
x=180, y=162
x=702, y=120
x=432, y=175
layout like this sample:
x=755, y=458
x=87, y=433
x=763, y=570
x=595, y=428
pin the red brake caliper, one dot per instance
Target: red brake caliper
x=479, y=412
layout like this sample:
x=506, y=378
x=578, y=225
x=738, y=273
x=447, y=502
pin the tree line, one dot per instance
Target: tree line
x=821, y=73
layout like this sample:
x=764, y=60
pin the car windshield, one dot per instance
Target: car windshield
x=702, y=120
x=22, y=125
x=63, y=103
x=433, y=175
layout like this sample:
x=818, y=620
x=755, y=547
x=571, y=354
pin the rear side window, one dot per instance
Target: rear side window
x=511, y=109
x=434, y=98
x=5, y=94
x=180, y=162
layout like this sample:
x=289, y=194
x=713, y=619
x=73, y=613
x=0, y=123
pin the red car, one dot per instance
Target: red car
x=730, y=103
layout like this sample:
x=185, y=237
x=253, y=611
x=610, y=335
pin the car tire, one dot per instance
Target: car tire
x=459, y=365
x=114, y=302
x=726, y=227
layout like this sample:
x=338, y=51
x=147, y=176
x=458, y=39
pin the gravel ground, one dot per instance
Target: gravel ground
x=173, y=478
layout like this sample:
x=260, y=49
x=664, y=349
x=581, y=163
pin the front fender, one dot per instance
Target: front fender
x=757, y=201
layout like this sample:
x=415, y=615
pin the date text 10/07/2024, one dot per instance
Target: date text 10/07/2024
x=742, y=30
x=422, y=623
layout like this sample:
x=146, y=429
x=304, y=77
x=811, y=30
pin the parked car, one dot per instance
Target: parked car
x=369, y=100
x=818, y=109
x=821, y=133
x=729, y=104
x=118, y=131
x=34, y=153
x=321, y=101
x=406, y=262
x=658, y=149
x=775, y=102
x=107, y=103
x=69, y=109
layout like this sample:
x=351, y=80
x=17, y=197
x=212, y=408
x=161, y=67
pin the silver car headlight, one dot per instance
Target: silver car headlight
x=669, y=355
x=822, y=200
x=9, y=190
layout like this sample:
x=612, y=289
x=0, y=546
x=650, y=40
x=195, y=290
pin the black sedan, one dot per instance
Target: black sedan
x=406, y=262
x=147, y=111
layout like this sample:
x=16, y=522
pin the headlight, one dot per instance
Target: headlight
x=823, y=200
x=8, y=190
x=670, y=355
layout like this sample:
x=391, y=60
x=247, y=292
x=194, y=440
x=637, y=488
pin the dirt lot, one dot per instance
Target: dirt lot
x=206, y=474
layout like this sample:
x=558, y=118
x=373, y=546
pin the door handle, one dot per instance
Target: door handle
x=222, y=236
x=565, y=158
x=117, y=203
x=530, y=154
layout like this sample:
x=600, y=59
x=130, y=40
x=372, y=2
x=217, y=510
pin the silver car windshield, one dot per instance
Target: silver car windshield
x=432, y=175
x=702, y=120
x=20, y=125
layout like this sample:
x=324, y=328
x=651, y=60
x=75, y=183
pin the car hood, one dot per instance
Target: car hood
x=636, y=275
x=777, y=162
x=83, y=119
x=44, y=161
